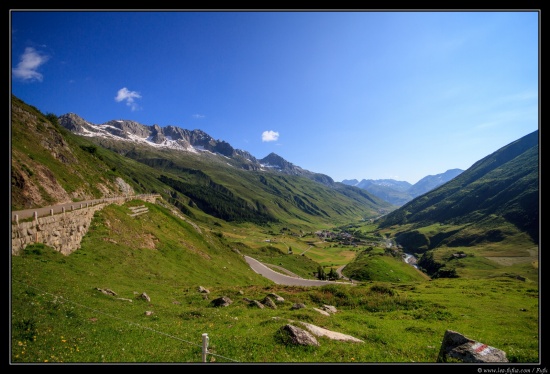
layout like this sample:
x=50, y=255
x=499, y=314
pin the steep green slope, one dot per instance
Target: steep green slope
x=485, y=218
x=501, y=186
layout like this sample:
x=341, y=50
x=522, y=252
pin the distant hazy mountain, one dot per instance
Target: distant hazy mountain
x=401, y=192
x=430, y=182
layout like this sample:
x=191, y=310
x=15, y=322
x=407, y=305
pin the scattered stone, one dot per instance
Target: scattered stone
x=269, y=303
x=278, y=299
x=149, y=313
x=322, y=311
x=123, y=299
x=222, y=301
x=297, y=336
x=459, y=347
x=329, y=308
x=107, y=291
x=298, y=306
x=203, y=290
x=319, y=331
x=254, y=302
x=258, y=304
x=145, y=297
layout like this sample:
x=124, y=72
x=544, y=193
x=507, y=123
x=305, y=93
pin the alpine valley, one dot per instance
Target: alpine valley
x=455, y=252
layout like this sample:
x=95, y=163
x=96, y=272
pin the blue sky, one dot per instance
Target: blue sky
x=354, y=95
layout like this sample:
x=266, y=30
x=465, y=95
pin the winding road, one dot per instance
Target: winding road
x=255, y=265
x=286, y=280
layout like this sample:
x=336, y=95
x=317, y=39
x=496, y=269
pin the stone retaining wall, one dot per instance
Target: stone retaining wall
x=63, y=231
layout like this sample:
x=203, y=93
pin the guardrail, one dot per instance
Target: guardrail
x=62, y=208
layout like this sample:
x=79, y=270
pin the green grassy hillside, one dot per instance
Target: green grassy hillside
x=489, y=212
x=60, y=315
x=209, y=216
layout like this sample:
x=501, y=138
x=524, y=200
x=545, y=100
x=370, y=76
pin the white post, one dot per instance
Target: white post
x=204, y=346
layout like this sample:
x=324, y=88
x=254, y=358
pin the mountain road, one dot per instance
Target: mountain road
x=279, y=278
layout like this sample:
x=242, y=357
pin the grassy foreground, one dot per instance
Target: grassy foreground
x=59, y=314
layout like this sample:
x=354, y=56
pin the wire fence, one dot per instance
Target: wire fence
x=205, y=338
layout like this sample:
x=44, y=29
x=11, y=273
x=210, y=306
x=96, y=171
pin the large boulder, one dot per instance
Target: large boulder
x=459, y=347
x=222, y=301
x=297, y=336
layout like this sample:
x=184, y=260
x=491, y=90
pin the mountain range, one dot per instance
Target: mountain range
x=178, y=139
x=197, y=141
x=57, y=159
x=72, y=159
x=400, y=192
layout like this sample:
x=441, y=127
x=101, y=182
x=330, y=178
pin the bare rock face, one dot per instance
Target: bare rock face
x=297, y=336
x=459, y=347
x=124, y=187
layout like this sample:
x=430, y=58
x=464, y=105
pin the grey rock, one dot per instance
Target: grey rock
x=222, y=301
x=459, y=347
x=297, y=336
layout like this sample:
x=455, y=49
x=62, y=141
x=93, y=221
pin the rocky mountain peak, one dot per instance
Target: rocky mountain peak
x=176, y=138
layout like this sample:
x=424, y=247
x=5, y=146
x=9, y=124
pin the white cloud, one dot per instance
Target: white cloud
x=129, y=96
x=28, y=64
x=198, y=116
x=270, y=136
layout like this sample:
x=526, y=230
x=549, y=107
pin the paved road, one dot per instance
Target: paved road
x=279, y=278
x=339, y=272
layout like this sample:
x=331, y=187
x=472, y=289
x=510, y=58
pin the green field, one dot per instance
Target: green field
x=59, y=314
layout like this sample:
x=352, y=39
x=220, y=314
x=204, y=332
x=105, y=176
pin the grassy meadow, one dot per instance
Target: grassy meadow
x=60, y=315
